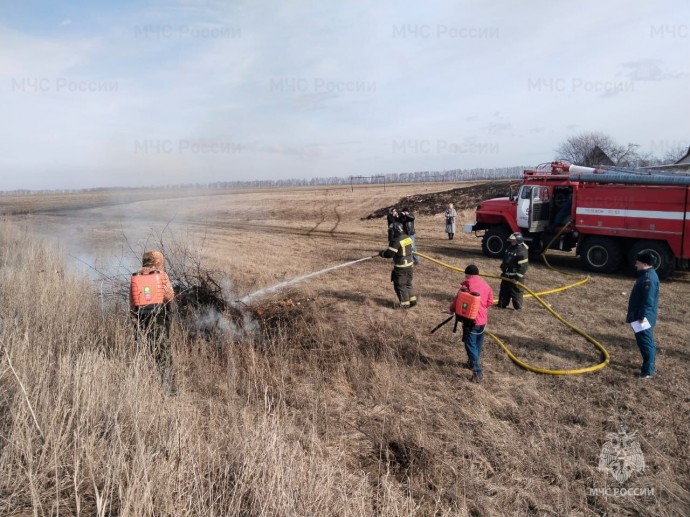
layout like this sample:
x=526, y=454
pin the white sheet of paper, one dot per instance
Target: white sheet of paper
x=639, y=327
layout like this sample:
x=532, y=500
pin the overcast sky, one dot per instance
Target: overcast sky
x=133, y=93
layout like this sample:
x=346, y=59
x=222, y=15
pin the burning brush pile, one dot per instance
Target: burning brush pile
x=207, y=312
x=205, y=304
x=205, y=309
x=208, y=308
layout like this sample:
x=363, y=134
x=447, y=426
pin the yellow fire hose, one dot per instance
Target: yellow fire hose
x=537, y=296
x=546, y=248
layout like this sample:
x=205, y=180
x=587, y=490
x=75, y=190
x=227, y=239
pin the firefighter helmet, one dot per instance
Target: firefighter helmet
x=516, y=238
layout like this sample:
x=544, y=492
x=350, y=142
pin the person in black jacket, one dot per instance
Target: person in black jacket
x=407, y=220
x=393, y=216
x=400, y=250
x=513, y=267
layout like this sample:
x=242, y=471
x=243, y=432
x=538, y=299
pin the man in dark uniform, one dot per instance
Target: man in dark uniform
x=513, y=267
x=407, y=220
x=642, y=308
x=400, y=250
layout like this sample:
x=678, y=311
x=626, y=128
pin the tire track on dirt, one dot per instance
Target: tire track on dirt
x=337, y=217
x=322, y=214
x=274, y=228
x=441, y=249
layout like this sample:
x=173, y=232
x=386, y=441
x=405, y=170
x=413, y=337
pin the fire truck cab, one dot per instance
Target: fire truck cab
x=606, y=215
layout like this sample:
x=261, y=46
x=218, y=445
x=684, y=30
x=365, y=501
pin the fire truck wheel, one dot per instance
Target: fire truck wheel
x=494, y=241
x=664, y=256
x=601, y=255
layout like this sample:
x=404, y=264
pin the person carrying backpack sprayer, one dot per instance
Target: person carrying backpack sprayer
x=151, y=296
x=471, y=307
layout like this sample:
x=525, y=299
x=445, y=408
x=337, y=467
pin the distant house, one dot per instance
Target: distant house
x=682, y=165
x=597, y=156
x=685, y=160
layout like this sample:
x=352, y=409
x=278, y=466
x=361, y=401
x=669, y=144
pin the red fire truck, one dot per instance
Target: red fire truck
x=609, y=214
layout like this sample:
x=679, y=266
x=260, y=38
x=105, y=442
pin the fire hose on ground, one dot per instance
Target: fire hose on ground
x=537, y=296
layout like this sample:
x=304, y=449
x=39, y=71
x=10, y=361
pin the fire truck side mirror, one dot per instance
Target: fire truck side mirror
x=512, y=193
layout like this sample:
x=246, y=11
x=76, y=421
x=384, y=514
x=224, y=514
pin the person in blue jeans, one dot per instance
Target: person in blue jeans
x=643, y=303
x=473, y=330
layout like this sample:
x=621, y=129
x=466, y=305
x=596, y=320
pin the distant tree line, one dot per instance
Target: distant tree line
x=453, y=175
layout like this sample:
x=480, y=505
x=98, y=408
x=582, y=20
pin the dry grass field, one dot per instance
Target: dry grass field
x=322, y=398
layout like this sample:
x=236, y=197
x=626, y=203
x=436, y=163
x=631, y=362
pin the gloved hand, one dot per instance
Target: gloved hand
x=381, y=253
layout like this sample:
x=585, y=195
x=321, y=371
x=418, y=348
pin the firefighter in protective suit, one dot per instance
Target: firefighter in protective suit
x=513, y=267
x=152, y=320
x=400, y=250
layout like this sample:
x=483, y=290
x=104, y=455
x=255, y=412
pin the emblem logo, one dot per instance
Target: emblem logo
x=621, y=455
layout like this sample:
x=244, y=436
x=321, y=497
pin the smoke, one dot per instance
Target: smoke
x=208, y=323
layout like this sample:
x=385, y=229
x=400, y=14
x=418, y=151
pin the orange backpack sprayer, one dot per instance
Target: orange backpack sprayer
x=467, y=305
x=146, y=290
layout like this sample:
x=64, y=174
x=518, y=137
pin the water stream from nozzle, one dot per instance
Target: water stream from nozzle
x=268, y=290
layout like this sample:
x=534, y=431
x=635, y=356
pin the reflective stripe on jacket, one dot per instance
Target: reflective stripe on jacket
x=400, y=249
x=515, y=261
